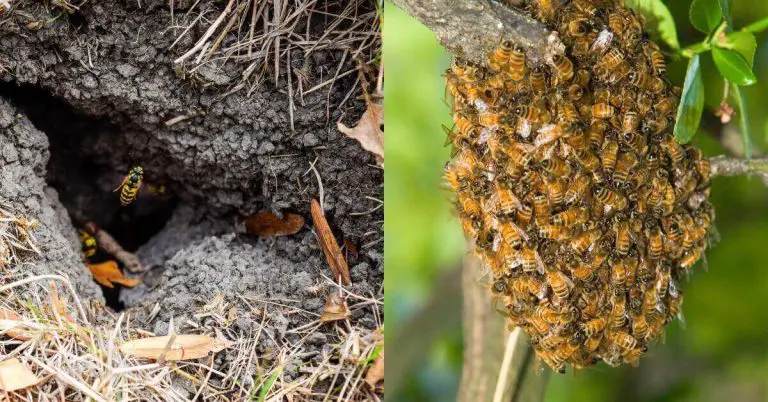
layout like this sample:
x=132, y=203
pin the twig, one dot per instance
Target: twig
x=725, y=166
x=111, y=246
x=501, y=384
x=473, y=28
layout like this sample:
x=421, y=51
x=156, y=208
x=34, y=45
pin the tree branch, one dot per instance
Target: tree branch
x=474, y=28
x=725, y=166
x=486, y=375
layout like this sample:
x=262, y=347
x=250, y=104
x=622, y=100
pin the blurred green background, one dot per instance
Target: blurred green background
x=721, y=354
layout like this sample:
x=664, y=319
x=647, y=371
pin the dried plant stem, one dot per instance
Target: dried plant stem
x=473, y=28
x=111, y=246
x=725, y=166
x=487, y=376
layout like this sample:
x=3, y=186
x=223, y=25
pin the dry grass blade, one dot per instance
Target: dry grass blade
x=12, y=325
x=329, y=245
x=184, y=347
x=375, y=373
x=15, y=375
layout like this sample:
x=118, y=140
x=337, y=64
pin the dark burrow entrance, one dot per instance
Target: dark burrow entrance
x=85, y=186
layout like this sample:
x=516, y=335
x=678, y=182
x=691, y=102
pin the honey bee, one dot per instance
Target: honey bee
x=546, y=10
x=130, y=185
x=508, y=201
x=470, y=206
x=651, y=302
x=552, y=341
x=594, y=326
x=556, y=166
x=556, y=191
x=524, y=215
x=654, y=85
x=513, y=235
x=624, y=340
x=88, y=242
x=586, y=7
x=577, y=189
x=615, y=22
x=521, y=154
x=581, y=78
x=556, y=359
x=538, y=79
x=596, y=133
x=665, y=105
x=584, y=241
x=583, y=272
x=655, y=243
x=546, y=231
x=517, y=68
x=574, y=136
x=673, y=149
x=493, y=119
x=690, y=257
x=528, y=113
x=602, y=111
x=499, y=58
x=570, y=217
x=657, y=61
x=618, y=316
x=630, y=121
x=662, y=283
x=578, y=27
x=611, y=200
x=568, y=111
x=587, y=159
x=612, y=59
x=563, y=66
x=624, y=163
x=531, y=261
x=654, y=125
x=637, y=142
x=608, y=156
x=644, y=102
x=622, y=235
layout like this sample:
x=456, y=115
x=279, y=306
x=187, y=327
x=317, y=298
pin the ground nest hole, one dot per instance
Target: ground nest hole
x=85, y=183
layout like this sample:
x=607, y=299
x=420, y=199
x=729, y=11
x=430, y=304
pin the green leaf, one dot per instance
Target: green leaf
x=743, y=121
x=705, y=15
x=658, y=18
x=725, y=7
x=742, y=42
x=733, y=67
x=268, y=384
x=691, y=103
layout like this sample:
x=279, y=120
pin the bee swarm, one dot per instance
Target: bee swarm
x=585, y=210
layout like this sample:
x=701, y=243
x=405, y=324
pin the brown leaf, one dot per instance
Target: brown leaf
x=108, y=273
x=265, y=223
x=351, y=254
x=376, y=371
x=35, y=25
x=368, y=130
x=329, y=245
x=184, y=347
x=12, y=324
x=335, y=309
x=15, y=375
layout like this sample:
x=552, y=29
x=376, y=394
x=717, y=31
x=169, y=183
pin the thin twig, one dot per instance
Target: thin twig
x=111, y=246
x=725, y=166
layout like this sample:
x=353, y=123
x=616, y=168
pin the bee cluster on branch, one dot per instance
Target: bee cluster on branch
x=584, y=209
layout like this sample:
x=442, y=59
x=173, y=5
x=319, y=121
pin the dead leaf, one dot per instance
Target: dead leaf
x=12, y=324
x=335, y=309
x=376, y=371
x=368, y=130
x=15, y=375
x=265, y=223
x=108, y=273
x=35, y=25
x=329, y=245
x=184, y=347
x=351, y=250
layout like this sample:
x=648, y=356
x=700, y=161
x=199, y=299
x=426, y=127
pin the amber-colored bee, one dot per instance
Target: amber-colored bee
x=663, y=279
x=499, y=58
x=531, y=261
x=624, y=340
x=470, y=206
x=594, y=326
x=130, y=185
x=654, y=85
x=568, y=111
x=546, y=10
x=608, y=155
x=583, y=272
x=624, y=163
x=621, y=231
x=582, y=242
x=556, y=191
x=612, y=59
x=493, y=119
x=673, y=149
x=666, y=105
x=88, y=242
x=615, y=22
x=538, y=79
x=654, y=125
x=587, y=159
x=570, y=217
x=596, y=133
x=556, y=166
x=612, y=200
x=577, y=189
x=512, y=234
x=658, y=63
x=655, y=243
x=630, y=121
x=552, y=341
x=602, y=111
x=547, y=231
x=586, y=7
x=563, y=66
x=524, y=215
x=527, y=112
x=618, y=316
x=561, y=285
x=517, y=68
x=644, y=102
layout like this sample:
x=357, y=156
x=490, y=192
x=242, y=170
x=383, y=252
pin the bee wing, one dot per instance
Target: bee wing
x=520, y=230
x=125, y=179
x=546, y=134
x=539, y=263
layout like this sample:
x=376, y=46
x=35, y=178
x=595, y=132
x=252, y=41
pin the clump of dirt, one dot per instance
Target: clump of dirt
x=99, y=83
